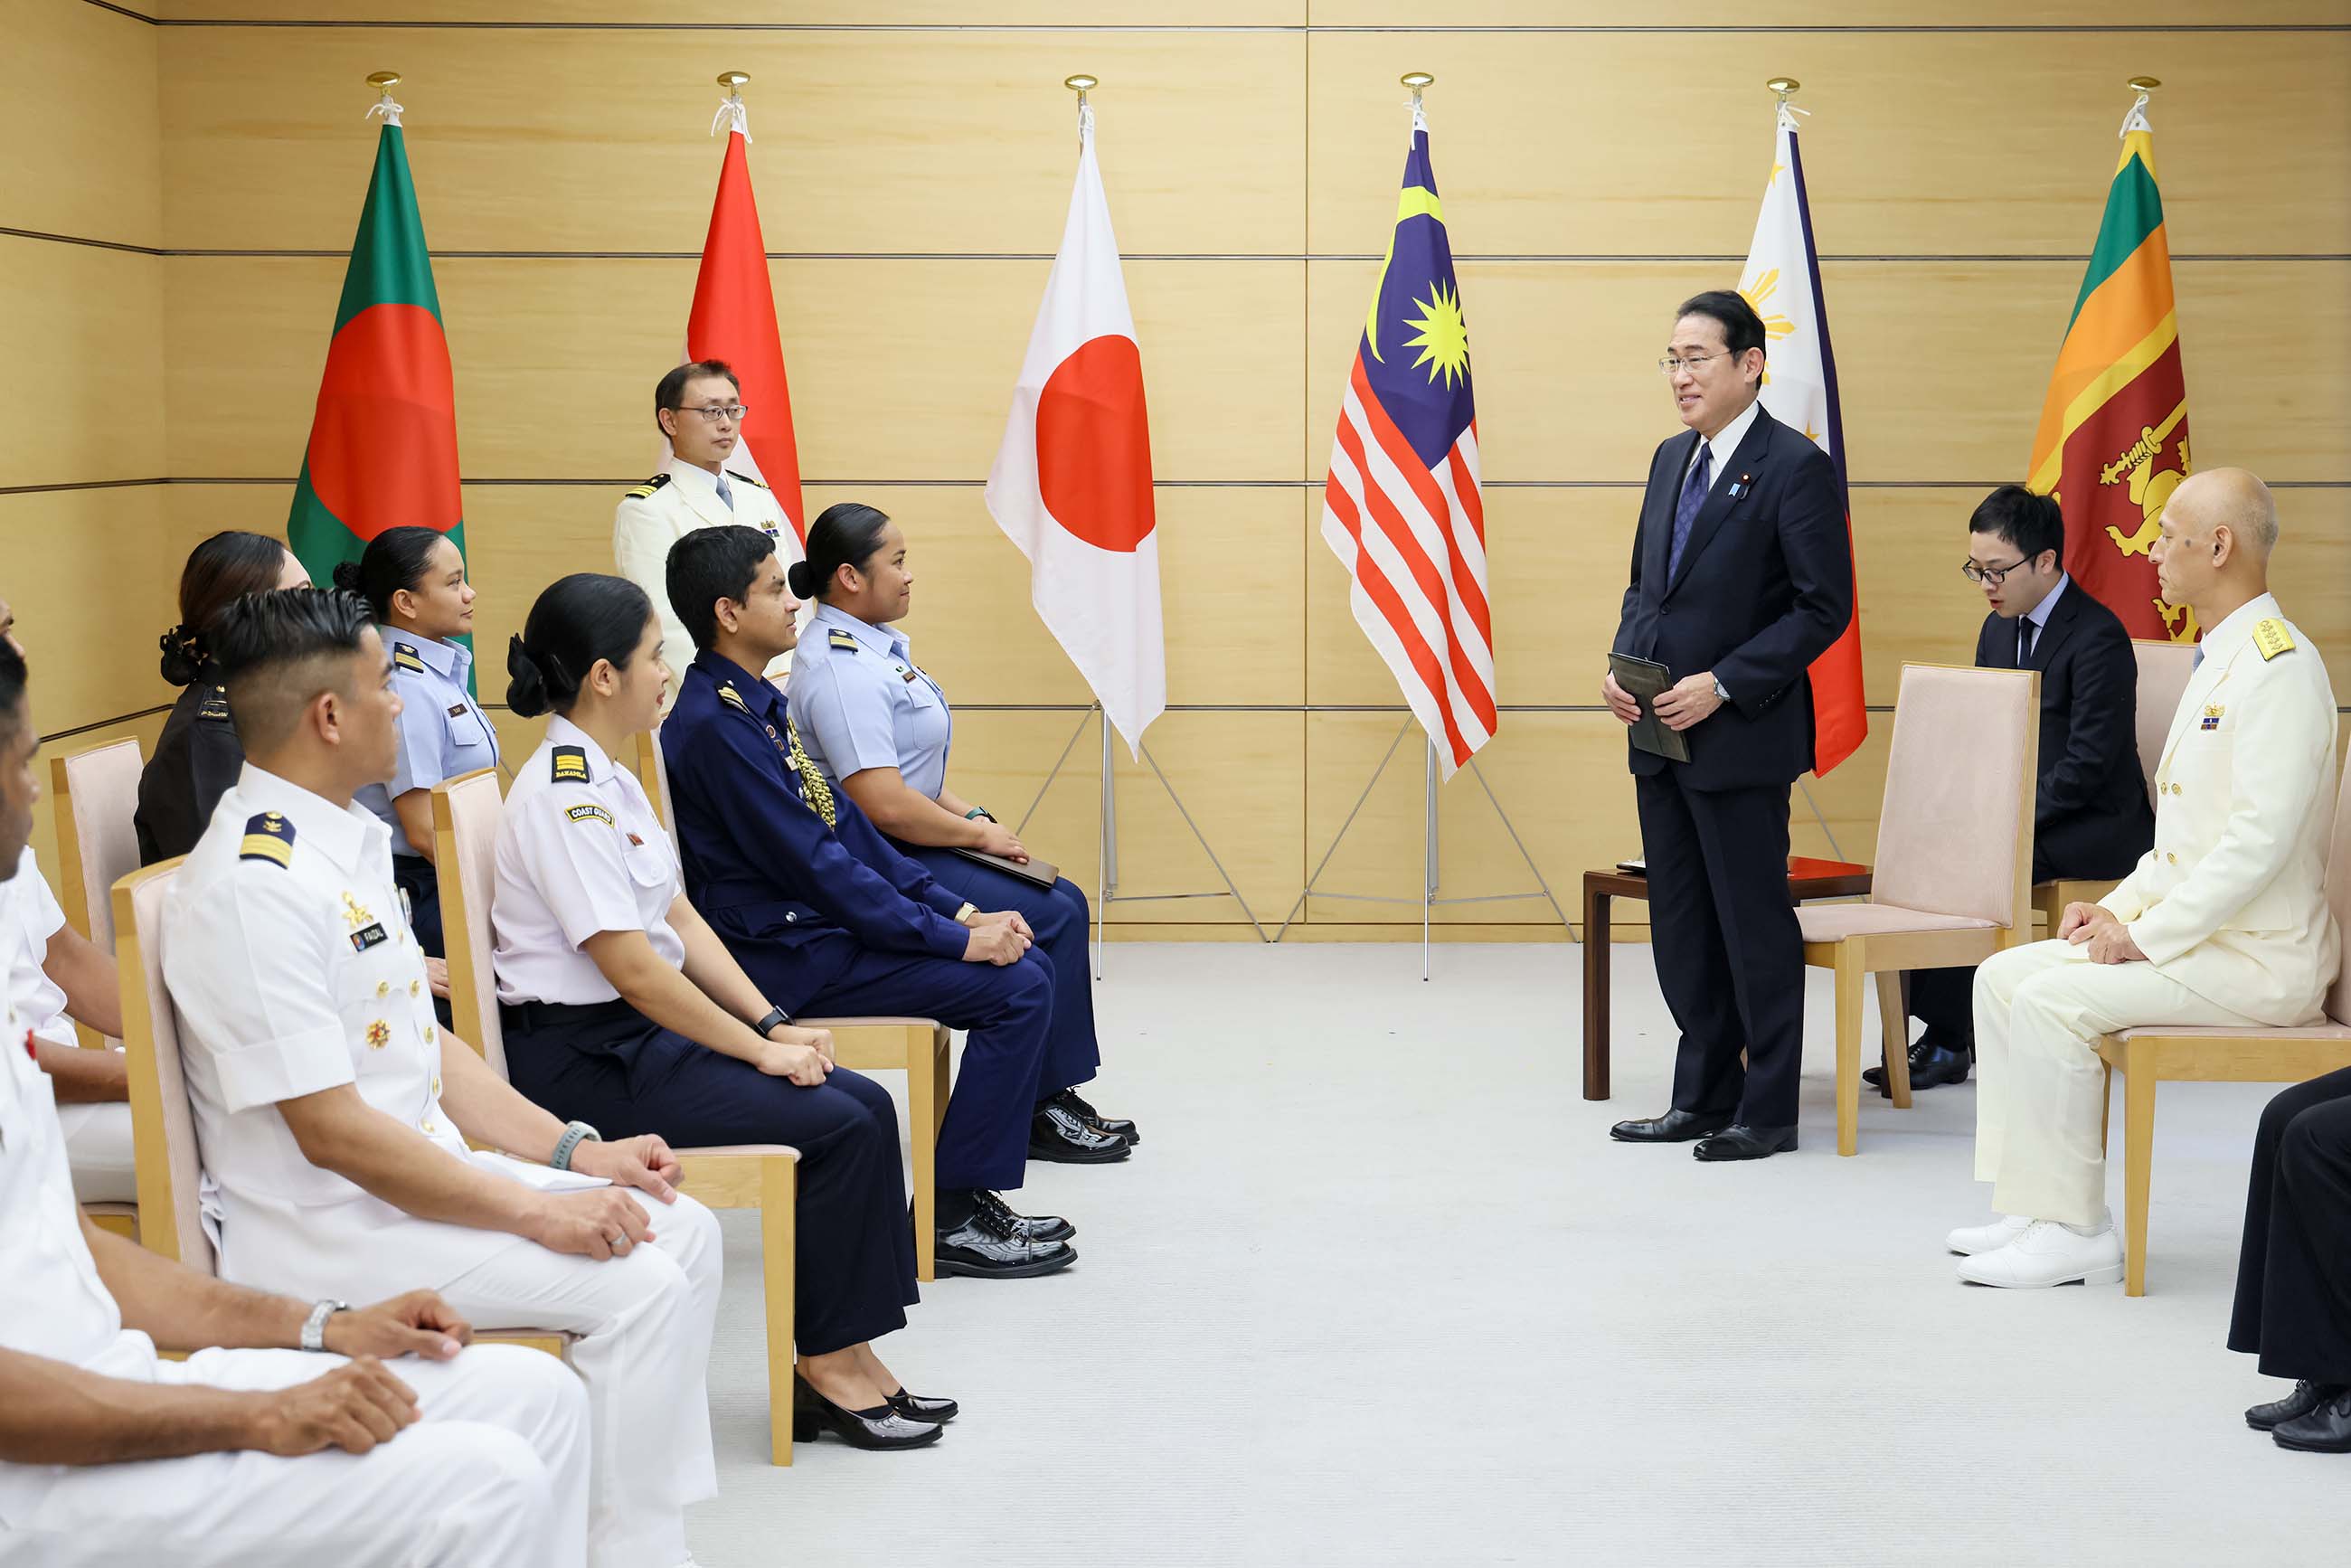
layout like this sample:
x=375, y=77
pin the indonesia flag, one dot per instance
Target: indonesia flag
x=734, y=319
x=1072, y=485
x=1782, y=282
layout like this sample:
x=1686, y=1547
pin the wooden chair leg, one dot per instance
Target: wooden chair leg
x=1893, y=1020
x=925, y=1111
x=2107, y=1111
x=2139, y=1164
x=779, y=1201
x=1849, y=978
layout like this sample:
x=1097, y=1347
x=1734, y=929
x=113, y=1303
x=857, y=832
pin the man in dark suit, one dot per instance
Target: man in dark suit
x=1741, y=576
x=2092, y=818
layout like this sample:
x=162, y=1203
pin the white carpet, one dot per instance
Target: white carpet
x=1377, y=1289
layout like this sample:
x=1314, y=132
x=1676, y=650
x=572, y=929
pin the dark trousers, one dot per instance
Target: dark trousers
x=1060, y=917
x=416, y=876
x=1008, y=1010
x=1729, y=956
x=853, y=1258
x=2293, y=1276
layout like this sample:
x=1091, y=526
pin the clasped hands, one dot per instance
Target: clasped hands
x=1679, y=706
x=2109, y=939
x=998, y=937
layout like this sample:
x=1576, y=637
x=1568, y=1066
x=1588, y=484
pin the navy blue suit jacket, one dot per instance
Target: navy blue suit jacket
x=1765, y=586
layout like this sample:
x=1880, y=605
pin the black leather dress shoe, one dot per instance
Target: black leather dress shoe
x=1741, y=1142
x=884, y=1427
x=2325, y=1430
x=1673, y=1127
x=1931, y=1067
x=1070, y=1100
x=985, y=1247
x=2306, y=1396
x=1027, y=1227
x=914, y=1407
x=1062, y=1137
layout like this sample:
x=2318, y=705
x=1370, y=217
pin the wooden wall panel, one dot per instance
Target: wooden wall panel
x=801, y=16
x=1923, y=141
x=1834, y=15
x=81, y=334
x=92, y=578
x=79, y=115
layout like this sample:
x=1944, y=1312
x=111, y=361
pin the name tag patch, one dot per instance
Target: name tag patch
x=591, y=814
x=368, y=936
x=456, y=710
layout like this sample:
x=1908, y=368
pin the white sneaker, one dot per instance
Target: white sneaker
x=2047, y=1253
x=1971, y=1240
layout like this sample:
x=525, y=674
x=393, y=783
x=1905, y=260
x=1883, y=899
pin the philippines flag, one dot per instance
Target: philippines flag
x=1401, y=507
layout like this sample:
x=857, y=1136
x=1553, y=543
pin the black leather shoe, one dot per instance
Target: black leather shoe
x=914, y=1407
x=1070, y=1101
x=1741, y=1142
x=2306, y=1396
x=1673, y=1127
x=984, y=1247
x=1029, y=1227
x=1062, y=1137
x=1931, y=1067
x=884, y=1427
x=2325, y=1430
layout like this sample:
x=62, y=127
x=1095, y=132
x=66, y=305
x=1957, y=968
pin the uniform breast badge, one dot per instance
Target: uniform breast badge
x=355, y=915
x=378, y=1035
x=2212, y=711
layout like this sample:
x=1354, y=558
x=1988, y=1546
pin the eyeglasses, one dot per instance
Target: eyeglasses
x=733, y=413
x=1994, y=575
x=1671, y=366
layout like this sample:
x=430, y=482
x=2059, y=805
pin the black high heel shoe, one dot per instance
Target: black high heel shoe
x=914, y=1407
x=884, y=1427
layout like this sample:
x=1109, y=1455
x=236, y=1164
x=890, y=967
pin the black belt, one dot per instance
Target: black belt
x=530, y=1017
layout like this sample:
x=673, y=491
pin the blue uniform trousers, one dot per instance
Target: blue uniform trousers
x=1058, y=916
x=417, y=877
x=854, y=1255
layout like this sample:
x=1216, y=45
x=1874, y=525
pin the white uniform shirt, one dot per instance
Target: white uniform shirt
x=657, y=514
x=580, y=852
x=861, y=701
x=293, y=972
x=29, y=916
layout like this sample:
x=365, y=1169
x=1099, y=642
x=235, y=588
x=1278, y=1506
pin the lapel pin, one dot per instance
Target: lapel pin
x=1742, y=485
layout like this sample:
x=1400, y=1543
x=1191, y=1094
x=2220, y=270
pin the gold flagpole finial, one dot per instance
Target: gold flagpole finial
x=383, y=81
x=1082, y=84
x=733, y=82
x=2144, y=84
x=1420, y=82
x=1783, y=86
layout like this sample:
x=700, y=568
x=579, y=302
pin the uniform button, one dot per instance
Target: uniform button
x=412, y=987
x=436, y=1086
x=2169, y=856
x=382, y=990
x=428, y=1034
x=790, y=918
x=427, y=1126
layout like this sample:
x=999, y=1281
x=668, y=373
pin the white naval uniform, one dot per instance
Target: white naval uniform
x=496, y=1471
x=2230, y=907
x=663, y=511
x=290, y=965
x=98, y=1136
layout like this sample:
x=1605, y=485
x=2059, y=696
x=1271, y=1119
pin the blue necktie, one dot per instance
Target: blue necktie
x=725, y=493
x=1693, y=489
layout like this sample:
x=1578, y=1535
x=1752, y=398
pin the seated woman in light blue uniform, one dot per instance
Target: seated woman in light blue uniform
x=414, y=582
x=880, y=728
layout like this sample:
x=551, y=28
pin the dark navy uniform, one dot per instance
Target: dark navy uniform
x=196, y=761
x=862, y=702
x=832, y=921
x=579, y=850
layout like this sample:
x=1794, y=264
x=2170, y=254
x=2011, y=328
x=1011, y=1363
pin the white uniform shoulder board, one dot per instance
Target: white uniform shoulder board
x=406, y=656
x=840, y=639
x=746, y=479
x=649, y=486
x=2271, y=638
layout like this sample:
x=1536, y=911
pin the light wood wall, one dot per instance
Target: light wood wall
x=913, y=160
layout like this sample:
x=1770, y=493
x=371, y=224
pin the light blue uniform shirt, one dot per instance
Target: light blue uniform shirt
x=443, y=731
x=861, y=701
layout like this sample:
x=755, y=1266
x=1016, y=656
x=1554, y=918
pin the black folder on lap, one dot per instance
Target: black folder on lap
x=1646, y=679
x=1036, y=871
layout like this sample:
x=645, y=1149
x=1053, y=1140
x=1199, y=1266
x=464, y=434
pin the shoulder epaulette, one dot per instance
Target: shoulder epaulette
x=731, y=697
x=649, y=486
x=842, y=639
x=2271, y=638
x=404, y=656
x=215, y=705
x=746, y=479
x=267, y=837
x=571, y=765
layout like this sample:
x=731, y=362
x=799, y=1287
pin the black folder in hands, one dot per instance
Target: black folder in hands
x=1644, y=680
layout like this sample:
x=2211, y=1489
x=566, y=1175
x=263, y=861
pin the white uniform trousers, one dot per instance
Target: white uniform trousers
x=644, y=1322
x=495, y=1471
x=2040, y=1089
x=97, y=1149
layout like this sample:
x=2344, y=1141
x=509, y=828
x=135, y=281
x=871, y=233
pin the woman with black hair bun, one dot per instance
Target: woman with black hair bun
x=198, y=755
x=414, y=580
x=622, y=1009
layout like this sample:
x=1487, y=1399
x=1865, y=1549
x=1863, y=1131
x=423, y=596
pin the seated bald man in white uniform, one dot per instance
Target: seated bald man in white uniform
x=334, y=1113
x=2225, y=921
x=255, y=1456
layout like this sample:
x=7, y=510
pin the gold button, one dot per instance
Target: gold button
x=428, y=1126
x=2170, y=857
x=428, y=1034
x=383, y=989
x=412, y=987
x=436, y=1086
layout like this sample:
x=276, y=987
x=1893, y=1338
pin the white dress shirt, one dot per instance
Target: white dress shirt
x=1724, y=445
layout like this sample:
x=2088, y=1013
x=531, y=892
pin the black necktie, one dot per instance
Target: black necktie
x=2023, y=640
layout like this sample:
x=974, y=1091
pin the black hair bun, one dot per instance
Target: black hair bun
x=526, y=692
x=800, y=580
x=346, y=576
x=184, y=655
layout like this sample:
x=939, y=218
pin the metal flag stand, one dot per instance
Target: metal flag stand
x=1107, y=891
x=1428, y=874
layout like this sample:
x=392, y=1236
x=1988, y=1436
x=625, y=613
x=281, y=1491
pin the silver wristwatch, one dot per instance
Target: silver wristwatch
x=314, y=1327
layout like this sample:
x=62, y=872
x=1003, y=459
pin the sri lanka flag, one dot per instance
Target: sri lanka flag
x=2113, y=441
x=1401, y=507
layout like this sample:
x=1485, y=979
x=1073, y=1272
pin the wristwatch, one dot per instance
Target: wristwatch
x=963, y=916
x=1721, y=691
x=574, y=1134
x=776, y=1018
x=314, y=1327
x=976, y=812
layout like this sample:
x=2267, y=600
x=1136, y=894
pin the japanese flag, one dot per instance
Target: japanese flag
x=1072, y=485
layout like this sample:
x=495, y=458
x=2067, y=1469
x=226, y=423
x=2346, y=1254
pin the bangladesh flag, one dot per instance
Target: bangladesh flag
x=383, y=441
x=2112, y=440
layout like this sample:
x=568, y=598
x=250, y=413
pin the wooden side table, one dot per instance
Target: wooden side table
x=1807, y=878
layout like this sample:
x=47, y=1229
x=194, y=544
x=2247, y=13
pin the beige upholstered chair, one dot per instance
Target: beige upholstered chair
x=765, y=1176
x=2146, y=1056
x=2163, y=670
x=920, y=1048
x=1953, y=879
x=95, y=792
x=171, y=1162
